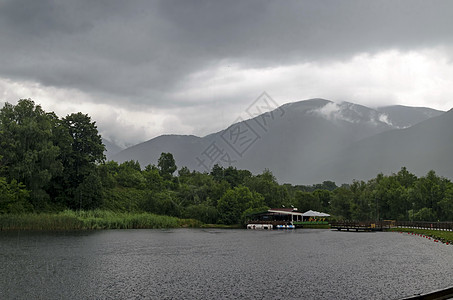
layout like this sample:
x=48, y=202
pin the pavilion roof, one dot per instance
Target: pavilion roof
x=313, y=213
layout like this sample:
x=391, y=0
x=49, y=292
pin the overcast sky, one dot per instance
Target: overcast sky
x=145, y=68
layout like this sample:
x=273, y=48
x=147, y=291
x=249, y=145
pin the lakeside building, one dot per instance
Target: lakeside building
x=288, y=218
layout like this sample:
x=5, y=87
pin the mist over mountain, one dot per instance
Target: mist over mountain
x=303, y=142
x=422, y=147
x=404, y=116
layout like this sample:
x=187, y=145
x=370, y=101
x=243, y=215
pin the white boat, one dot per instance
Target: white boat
x=260, y=226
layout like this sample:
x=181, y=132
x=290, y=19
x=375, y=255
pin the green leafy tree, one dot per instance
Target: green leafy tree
x=429, y=190
x=266, y=185
x=167, y=165
x=162, y=203
x=26, y=145
x=324, y=197
x=218, y=190
x=446, y=205
x=90, y=191
x=184, y=174
x=425, y=214
x=153, y=179
x=82, y=150
x=307, y=201
x=13, y=197
x=202, y=212
x=405, y=178
x=130, y=175
x=218, y=173
x=390, y=196
x=341, y=203
x=234, y=176
x=232, y=204
x=108, y=172
x=326, y=185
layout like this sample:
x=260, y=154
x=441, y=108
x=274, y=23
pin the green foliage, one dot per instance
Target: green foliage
x=124, y=199
x=266, y=185
x=202, y=212
x=55, y=159
x=83, y=151
x=400, y=196
x=230, y=208
x=231, y=175
x=130, y=175
x=325, y=185
x=253, y=210
x=446, y=205
x=27, y=149
x=89, y=191
x=153, y=180
x=13, y=197
x=425, y=214
x=161, y=203
x=341, y=203
x=235, y=201
x=48, y=164
x=167, y=165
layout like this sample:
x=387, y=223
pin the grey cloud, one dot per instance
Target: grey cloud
x=141, y=49
x=139, y=53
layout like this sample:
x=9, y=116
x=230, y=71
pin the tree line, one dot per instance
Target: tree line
x=49, y=164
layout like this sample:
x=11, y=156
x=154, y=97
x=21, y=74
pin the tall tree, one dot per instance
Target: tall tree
x=82, y=150
x=341, y=203
x=167, y=165
x=26, y=144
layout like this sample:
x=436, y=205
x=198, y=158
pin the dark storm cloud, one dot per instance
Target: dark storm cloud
x=284, y=31
x=142, y=49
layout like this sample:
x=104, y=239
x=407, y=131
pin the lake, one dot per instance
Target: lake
x=220, y=264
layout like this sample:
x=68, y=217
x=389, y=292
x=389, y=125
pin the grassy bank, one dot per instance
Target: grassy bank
x=87, y=220
x=442, y=236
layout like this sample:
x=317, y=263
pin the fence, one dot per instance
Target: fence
x=446, y=226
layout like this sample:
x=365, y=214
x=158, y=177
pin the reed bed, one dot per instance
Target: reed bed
x=89, y=220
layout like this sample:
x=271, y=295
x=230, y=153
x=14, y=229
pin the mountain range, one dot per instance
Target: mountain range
x=310, y=141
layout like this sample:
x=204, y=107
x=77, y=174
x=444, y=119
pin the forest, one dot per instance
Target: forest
x=50, y=164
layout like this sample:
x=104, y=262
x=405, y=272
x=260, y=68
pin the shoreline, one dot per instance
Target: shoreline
x=441, y=236
x=69, y=220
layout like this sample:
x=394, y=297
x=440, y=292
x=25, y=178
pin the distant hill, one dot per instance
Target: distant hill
x=183, y=147
x=422, y=147
x=111, y=149
x=298, y=142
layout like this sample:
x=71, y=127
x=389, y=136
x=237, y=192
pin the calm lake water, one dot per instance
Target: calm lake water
x=220, y=264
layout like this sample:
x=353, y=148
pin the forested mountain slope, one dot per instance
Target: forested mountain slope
x=296, y=141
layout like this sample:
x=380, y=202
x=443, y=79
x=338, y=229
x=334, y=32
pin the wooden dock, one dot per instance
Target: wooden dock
x=443, y=226
x=361, y=226
x=385, y=224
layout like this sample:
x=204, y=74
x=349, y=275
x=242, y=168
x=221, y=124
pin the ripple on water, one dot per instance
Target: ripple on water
x=216, y=263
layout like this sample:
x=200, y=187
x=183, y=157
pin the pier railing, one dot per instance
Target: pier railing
x=380, y=225
x=362, y=225
x=446, y=226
